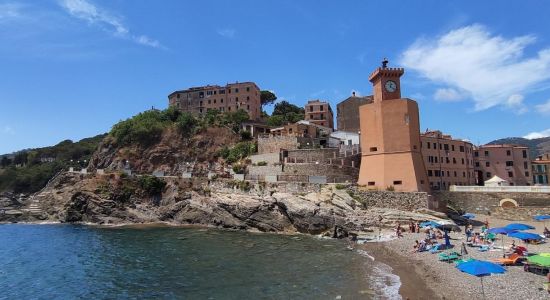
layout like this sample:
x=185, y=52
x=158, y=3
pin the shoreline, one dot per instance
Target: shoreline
x=413, y=277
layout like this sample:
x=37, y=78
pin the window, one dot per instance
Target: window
x=452, y=147
x=209, y=101
x=510, y=174
x=446, y=147
x=477, y=163
x=428, y=144
x=463, y=161
x=526, y=174
x=455, y=174
x=508, y=152
x=371, y=183
x=486, y=153
x=236, y=99
x=476, y=153
x=448, y=160
x=247, y=98
x=311, y=108
x=322, y=123
x=214, y=92
x=178, y=96
x=488, y=175
x=436, y=159
x=221, y=92
x=487, y=164
x=248, y=89
x=200, y=110
x=525, y=166
x=448, y=174
x=397, y=182
x=461, y=148
x=430, y=173
x=463, y=174
x=200, y=103
x=229, y=108
x=222, y=108
x=524, y=153
x=373, y=149
x=221, y=100
x=435, y=146
x=321, y=108
x=236, y=90
x=509, y=163
x=322, y=116
x=248, y=107
x=437, y=173
x=208, y=92
x=454, y=160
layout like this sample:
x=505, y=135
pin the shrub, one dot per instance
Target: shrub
x=186, y=123
x=152, y=185
x=262, y=163
x=340, y=186
x=239, y=169
x=390, y=188
x=246, y=135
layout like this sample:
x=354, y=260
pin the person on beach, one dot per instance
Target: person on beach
x=416, y=246
x=417, y=227
x=468, y=234
x=398, y=230
x=486, y=223
x=546, y=232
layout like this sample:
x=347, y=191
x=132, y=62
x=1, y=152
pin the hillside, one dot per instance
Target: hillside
x=536, y=146
x=28, y=170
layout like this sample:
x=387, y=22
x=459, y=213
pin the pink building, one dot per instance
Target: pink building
x=509, y=162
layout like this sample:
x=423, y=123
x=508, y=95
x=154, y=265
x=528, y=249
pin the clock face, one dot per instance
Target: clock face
x=390, y=86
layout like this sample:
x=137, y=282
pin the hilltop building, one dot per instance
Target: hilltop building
x=390, y=136
x=347, y=112
x=541, y=169
x=320, y=113
x=230, y=98
x=509, y=162
x=448, y=161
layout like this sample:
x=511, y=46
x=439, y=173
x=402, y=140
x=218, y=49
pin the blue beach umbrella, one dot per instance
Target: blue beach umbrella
x=469, y=216
x=542, y=217
x=525, y=235
x=503, y=231
x=518, y=226
x=480, y=269
x=429, y=223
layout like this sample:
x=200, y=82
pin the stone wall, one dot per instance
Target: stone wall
x=314, y=169
x=312, y=155
x=525, y=213
x=274, y=144
x=388, y=199
x=261, y=188
x=264, y=170
x=487, y=202
x=270, y=158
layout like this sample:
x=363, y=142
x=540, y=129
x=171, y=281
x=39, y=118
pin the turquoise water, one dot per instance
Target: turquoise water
x=71, y=262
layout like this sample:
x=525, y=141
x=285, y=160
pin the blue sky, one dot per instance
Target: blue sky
x=70, y=69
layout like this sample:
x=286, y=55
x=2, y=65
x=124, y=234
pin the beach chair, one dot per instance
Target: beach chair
x=512, y=260
x=450, y=257
x=459, y=261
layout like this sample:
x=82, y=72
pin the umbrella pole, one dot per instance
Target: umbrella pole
x=482, y=289
x=503, y=255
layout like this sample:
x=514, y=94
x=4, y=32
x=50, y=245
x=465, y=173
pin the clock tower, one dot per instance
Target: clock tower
x=390, y=136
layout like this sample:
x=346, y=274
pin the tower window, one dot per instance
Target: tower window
x=373, y=149
x=397, y=182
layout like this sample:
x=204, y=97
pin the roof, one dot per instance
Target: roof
x=366, y=99
x=495, y=179
x=503, y=146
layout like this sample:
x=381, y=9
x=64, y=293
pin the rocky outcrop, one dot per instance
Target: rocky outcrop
x=71, y=198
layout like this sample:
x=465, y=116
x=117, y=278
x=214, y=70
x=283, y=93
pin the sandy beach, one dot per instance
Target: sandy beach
x=424, y=277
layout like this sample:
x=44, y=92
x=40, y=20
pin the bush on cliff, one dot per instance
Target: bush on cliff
x=144, y=128
x=152, y=185
x=238, y=152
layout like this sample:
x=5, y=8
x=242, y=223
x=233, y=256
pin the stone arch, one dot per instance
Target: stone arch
x=508, y=203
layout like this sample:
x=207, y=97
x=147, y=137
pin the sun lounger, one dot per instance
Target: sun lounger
x=512, y=260
x=450, y=257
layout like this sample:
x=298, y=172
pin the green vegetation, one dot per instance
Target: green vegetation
x=238, y=152
x=28, y=171
x=267, y=97
x=340, y=186
x=152, y=185
x=262, y=163
x=284, y=112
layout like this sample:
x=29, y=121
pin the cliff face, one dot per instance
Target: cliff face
x=173, y=153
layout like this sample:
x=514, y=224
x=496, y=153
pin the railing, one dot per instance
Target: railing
x=504, y=189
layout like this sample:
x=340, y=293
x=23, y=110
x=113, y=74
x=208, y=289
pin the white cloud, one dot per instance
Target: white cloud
x=538, y=135
x=86, y=10
x=227, y=32
x=8, y=130
x=489, y=68
x=515, y=103
x=9, y=11
x=543, y=108
x=447, y=95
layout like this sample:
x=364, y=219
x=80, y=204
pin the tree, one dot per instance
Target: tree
x=267, y=97
x=284, y=107
x=284, y=112
x=5, y=162
x=234, y=119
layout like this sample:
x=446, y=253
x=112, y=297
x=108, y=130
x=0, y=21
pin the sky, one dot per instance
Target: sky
x=70, y=69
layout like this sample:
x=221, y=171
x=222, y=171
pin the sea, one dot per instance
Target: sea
x=59, y=261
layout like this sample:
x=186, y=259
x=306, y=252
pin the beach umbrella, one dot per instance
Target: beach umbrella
x=469, y=216
x=542, y=218
x=525, y=235
x=518, y=226
x=480, y=269
x=429, y=224
x=542, y=259
x=502, y=231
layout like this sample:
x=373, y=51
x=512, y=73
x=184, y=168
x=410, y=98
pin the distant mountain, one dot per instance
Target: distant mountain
x=536, y=146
